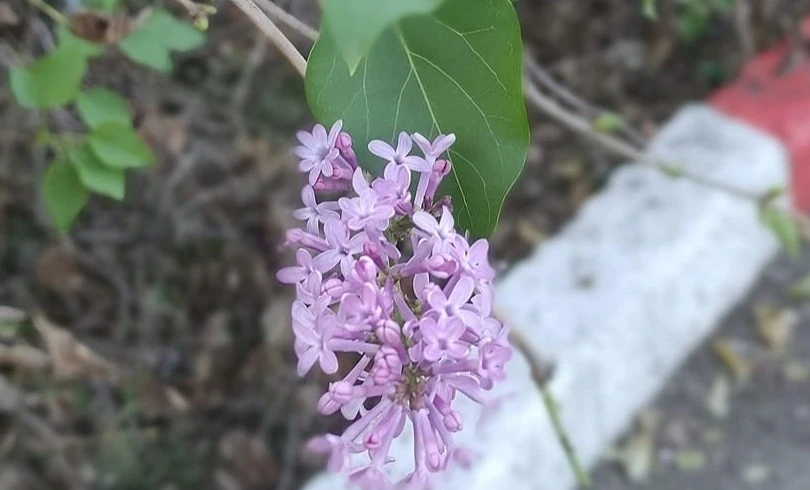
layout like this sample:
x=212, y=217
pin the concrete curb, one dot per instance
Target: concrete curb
x=619, y=299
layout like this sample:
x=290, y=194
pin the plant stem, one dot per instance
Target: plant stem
x=48, y=10
x=584, y=127
x=273, y=33
x=289, y=20
x=541, y=372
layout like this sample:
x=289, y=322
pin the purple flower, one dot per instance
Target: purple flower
x=443, y=339
x=433, y=150
x=318, y=151
x=304, y=269
x=342, y=247
x=428, y=181
x=335, y=447
x=398, y=287
x=313, y=328
x=314, y=213
x=400, y=156
x=442, y=232
x=394, y=188
x=473, y=259
x=365, y=212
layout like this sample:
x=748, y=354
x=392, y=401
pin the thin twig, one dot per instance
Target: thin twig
x=273, y=33
x=541, y=372
x=254, y=59
x=742, y=22
x=283, y=17
x=624, y=149
x=544, y=78
x=51, y=12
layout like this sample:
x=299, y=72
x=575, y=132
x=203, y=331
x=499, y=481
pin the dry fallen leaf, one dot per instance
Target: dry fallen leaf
x=70, y=358
x=713, y=436
x=796, y=372
x=801, y=289
x=717, y=401
x=690, y=460
x=24, y=358
x=99, y=27
x=157, y=399
x=163, y=131
x=775, y=325
x=58, y=269
x=637, y=456
x=529, y=232
x=731, y=357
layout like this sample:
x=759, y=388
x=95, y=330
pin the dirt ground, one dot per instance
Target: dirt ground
x=173, y=290
x=762, y=438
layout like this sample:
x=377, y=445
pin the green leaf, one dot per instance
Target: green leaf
x=784, y=227
x=96, y=176
x=64, y=195
x=152, y=43
x=119, y=146
x=98, y=106
x=52, y=81
x=103, y=5
x=356, y=24
x=67, y=40
x=801, y=289
x=649, y=9
x=455, y=71
x=608, y=122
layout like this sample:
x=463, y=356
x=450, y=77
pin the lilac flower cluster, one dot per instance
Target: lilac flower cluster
x=383, y=276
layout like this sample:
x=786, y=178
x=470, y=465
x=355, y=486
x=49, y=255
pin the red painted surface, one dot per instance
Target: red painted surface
x=778, y=103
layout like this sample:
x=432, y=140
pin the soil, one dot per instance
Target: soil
x=176, y=286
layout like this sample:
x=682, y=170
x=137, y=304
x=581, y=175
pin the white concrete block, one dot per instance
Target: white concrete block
x=619, y=298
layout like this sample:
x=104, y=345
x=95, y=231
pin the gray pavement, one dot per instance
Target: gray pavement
x=764, y=441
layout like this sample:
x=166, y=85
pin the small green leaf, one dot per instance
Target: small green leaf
x=608, y=122
x=52, y=81
x=784, y=227
x=649, y=9
x=119, y=146
x=64, y=195
x=152, y=43
x=458, y=70
x=98, y=106
x=67, y=40
x=96, y=176
x=356, y=24
x=103, y=5
x=801, y=289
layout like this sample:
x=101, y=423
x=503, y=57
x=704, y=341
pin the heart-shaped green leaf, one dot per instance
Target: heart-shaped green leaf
x=52, y=81
x=152, y=43
x=119, y=146
x=99, y=105
x=95, y=176
x=457, y=70
x=356, y=24
x=64, y=194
